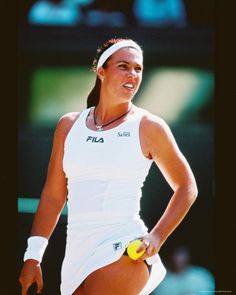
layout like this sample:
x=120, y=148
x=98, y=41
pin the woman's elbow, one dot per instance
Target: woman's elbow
x=193, y=191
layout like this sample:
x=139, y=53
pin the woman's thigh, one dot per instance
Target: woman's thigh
x=124, y=277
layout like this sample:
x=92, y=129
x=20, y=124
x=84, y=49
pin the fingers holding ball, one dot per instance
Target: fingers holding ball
x=137, y=248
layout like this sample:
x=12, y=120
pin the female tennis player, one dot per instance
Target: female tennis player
x=99, y=161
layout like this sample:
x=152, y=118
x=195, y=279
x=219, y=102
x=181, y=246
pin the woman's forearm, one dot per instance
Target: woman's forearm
x=178, y=206
x=46, y=217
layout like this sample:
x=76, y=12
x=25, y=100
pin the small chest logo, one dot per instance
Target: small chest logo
x=123, y=134
x=117, y=246
x=95, y=139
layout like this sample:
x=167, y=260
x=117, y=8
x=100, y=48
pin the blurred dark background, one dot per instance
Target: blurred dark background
x=55, y=53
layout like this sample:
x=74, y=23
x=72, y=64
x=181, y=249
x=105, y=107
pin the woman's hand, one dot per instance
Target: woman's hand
x=31, y=273
x=151, y=244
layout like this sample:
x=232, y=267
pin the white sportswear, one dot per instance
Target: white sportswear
x=105, y=171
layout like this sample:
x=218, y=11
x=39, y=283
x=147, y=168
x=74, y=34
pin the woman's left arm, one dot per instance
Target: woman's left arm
x=163, y=149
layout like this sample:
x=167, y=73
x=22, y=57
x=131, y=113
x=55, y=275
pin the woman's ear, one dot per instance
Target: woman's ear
x=100, y=73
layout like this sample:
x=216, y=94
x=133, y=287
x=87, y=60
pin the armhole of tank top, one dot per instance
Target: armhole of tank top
x=141, y=113
x=81, y=119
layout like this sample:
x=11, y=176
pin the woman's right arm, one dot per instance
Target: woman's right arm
x=52, y=201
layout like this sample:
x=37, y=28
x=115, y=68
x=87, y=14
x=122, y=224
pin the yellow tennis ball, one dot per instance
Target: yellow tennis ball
x=132, y=248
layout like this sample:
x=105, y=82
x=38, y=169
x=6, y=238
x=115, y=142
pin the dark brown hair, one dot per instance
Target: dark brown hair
x=94, y=95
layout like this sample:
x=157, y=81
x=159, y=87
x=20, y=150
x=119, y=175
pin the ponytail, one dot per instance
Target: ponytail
x=94, y=95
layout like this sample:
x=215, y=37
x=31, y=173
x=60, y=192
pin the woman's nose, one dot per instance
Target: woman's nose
x=132, y=73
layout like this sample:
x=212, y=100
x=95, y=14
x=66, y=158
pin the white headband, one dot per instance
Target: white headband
x=107, y=53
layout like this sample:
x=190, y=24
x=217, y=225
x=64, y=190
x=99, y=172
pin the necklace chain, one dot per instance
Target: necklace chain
x=100, y=127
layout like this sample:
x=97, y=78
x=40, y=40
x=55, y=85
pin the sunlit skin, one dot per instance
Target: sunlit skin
x=157, y=142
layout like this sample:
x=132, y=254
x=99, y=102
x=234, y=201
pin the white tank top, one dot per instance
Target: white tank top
x=105, y=169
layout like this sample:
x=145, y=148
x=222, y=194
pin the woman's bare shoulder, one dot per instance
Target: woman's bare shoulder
x=153, y=123
x=69, y=118
x=65, y=123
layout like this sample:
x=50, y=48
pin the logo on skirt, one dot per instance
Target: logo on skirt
x=117, y=246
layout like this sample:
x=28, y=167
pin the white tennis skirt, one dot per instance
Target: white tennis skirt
x=94, y=241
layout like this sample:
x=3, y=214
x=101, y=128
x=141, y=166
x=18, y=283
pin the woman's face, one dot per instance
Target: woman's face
x=123, y=74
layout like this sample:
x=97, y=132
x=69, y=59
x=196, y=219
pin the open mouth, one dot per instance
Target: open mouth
x=128, y=86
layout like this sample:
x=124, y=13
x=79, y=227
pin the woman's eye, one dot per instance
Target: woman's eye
x=123, y=66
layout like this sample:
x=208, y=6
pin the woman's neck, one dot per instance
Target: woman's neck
x=107, y=111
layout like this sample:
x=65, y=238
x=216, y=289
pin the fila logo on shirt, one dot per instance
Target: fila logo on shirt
x=94, y=139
